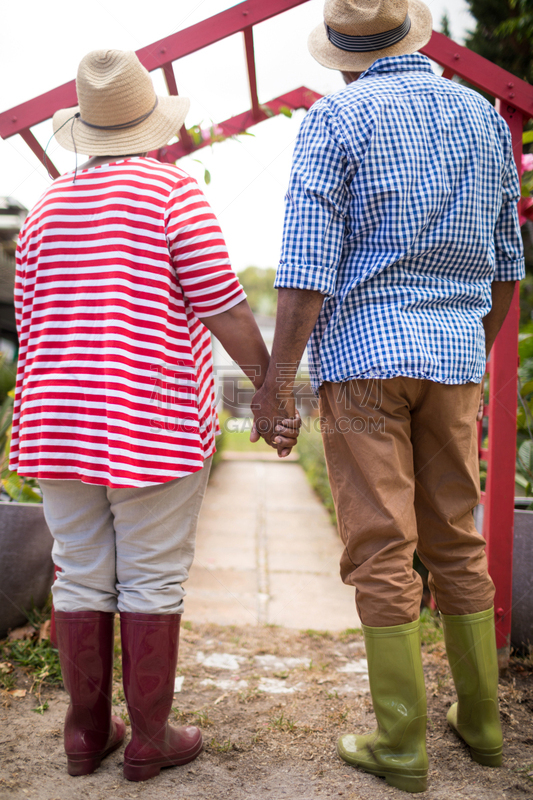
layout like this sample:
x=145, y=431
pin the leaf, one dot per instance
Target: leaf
x=19, y=489
x=525, y=457
x=286, y=111
x=267, y=111
x=526, y=388
x=527, y=137
x=521, y=480
x=44, y=630
x=26, y=632
x=525, y=346
x=17, y=692
x=207, y=177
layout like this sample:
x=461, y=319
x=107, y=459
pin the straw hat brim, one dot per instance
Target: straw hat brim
x=156, y=131
x=334, y=58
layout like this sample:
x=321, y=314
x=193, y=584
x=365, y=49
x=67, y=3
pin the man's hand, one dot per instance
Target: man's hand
x=287, y=435
x=276, y=418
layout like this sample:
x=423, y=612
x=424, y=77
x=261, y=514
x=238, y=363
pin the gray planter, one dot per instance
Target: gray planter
x=26, y=567
x=522, y=611
x=522, y=615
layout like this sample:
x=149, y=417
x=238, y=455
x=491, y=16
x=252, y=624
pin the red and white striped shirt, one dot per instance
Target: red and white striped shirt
x=115, y=380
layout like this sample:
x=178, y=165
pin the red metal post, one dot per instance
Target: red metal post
x=250, y=62
x=172, y=86
x=498, y=520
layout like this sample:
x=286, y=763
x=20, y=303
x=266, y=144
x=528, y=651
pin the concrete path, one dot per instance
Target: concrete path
x=266, y=552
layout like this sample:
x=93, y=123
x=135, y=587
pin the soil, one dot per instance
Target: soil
x=271, y=703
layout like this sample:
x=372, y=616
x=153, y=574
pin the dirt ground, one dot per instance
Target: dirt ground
x=271, y=703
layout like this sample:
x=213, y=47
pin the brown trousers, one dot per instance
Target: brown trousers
x=403, y=466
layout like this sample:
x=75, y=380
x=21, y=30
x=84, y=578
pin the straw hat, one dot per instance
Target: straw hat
x=355, y=33
x=119, y=112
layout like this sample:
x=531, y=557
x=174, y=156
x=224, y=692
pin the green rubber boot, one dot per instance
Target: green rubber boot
x=396, y=751
x=471, y=648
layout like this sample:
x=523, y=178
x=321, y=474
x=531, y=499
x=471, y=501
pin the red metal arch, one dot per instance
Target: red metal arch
x=514, y=100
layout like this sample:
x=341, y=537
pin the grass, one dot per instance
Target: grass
x=313, y=461
x=39, y=659
x=221, y=747
x=430, y=627
x=239, y=441
x=282, y=723
x=317, y=634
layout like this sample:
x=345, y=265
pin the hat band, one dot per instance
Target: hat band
x=123, y=125
x=365, y=44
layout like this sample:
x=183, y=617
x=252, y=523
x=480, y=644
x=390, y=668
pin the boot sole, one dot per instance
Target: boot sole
x=412, y=782
x=144, y=770
x=487, y=758
x=85, y=765
x=407, y=783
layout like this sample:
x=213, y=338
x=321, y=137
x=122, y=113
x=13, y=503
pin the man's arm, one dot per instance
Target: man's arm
x=296, y=316
x=502, y=295
x=239, y=334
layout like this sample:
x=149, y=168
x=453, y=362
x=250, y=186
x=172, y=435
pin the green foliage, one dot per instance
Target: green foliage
x=22, y=490
x=258, y=284
x=445, y=25
x=313, y=461
x=430, y=627
x=41, y=659
x=524, y=418
x=504, y=34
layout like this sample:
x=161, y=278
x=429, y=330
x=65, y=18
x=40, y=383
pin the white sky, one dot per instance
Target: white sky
x=41, y=45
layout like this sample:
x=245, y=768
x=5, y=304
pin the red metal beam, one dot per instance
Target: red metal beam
x=32, y=143
x=154, y=56
x=480, y=72
x=250, y=63
x=299, y=98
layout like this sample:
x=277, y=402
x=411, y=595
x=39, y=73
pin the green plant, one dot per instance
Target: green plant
x=317, y=634
x=22, y=490
x=313, y=461
x=282, y=723
x=221, y=747
x=430, y=627
x=40, y=659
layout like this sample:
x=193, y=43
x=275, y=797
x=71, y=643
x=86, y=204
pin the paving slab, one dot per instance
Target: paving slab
x=266, y=552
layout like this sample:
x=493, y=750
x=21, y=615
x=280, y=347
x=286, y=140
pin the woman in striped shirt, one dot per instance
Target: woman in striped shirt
x=122, y=272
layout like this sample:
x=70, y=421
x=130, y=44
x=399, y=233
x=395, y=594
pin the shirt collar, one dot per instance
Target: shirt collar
x=414, y=62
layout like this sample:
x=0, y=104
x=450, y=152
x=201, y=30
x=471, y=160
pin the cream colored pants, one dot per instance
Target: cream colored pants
x=403, y=466
x=123, y=549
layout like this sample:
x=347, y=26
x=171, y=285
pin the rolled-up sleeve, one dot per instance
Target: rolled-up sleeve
x=315, y=207
x=199, y=253
x=509, y=252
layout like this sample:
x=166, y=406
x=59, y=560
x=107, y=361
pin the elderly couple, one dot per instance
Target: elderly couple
x=400, y=254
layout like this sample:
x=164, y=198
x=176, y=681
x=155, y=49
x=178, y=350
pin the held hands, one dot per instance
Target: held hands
x=277, y=420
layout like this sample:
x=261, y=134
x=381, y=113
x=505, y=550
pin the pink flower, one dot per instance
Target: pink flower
x=525, y=209
x=527, y=162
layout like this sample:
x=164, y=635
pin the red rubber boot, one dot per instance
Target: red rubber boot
x=149, y=658
x=86, y=645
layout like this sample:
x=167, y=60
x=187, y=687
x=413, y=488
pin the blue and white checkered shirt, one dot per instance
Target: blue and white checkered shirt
x=401, y=209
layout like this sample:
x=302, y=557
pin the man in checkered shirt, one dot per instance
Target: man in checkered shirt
x=400, y=255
